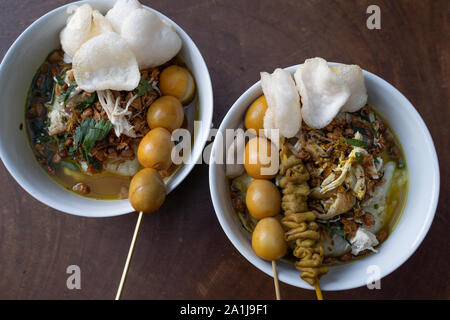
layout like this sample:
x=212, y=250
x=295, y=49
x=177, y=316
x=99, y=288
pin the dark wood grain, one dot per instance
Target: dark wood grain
x=181, y=251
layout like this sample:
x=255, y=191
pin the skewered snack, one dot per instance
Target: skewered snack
x=268, y=239
x=257, y=151
x=293, y=183
x=155, y=148
x=301, y=223
x=268, y=243
x=147, y=191
x=308, y=246
x=178, y=82
x=263, y=199
x=166, y=112
x=254, y=118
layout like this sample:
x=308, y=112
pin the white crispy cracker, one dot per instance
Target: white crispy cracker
x=322, y=93
x=283, y=102
x=99, y=24
x=77, y=29
x=106, y=62
x=353, y=76
x=121, y=9
x=152, y=40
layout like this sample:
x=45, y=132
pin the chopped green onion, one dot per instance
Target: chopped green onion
x=376, y=206
x=358, y=156
x=87, y=103
x=355, y=142
x=336, y=231
x=65, y=95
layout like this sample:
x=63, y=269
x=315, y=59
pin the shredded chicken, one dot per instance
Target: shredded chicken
x=353, y=175
x=116, y=114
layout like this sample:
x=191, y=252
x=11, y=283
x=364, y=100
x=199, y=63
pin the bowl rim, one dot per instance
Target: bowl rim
x=203, y=136
x=266, y=266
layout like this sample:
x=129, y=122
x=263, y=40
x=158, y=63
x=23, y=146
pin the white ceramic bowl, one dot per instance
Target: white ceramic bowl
x=16, y=73
x=417, y=216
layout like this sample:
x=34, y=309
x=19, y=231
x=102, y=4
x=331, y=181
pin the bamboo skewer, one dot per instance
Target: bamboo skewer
x=275, y=280
x=318, y=291
x=130, y=255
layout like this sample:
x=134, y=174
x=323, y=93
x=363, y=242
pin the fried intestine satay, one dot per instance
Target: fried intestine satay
x=300, y=222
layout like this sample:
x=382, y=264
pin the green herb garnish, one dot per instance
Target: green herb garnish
x=60, y=80
x=358, y=156
x=376, y=206
x=87, y=103
x=81, y=131
x=65, y=95
x=355, y=142
x=88, y=133
x=96, y=133
x=143, y=87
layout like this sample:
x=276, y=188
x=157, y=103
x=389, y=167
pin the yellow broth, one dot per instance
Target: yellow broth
x=398, y=190
x=105, y=185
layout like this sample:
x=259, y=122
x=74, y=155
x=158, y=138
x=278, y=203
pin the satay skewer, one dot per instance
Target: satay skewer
x=318, y=290
x=130, y=255
x=275, y=280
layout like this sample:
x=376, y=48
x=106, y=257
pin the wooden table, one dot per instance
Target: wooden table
x=182, y=252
